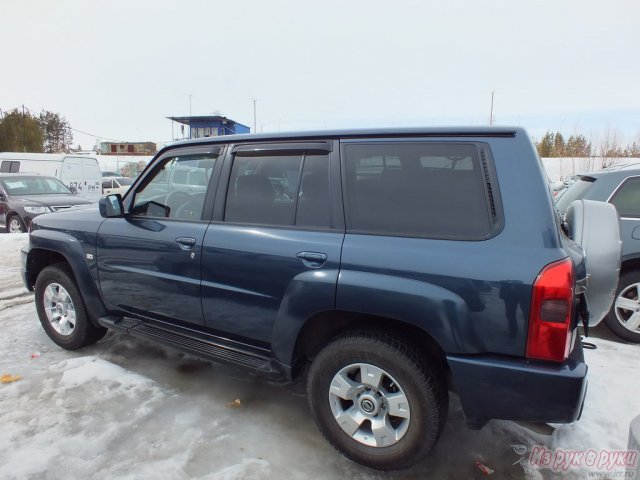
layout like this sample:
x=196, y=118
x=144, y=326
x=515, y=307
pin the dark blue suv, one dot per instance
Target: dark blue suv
x=397, y=265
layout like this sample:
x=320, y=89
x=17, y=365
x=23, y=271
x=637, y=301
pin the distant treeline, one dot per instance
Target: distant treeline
x=23, y=131
x=553, y=144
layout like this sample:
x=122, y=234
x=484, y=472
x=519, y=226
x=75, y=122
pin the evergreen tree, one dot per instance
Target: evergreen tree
x=578, y=146
x=20, y=132
x=559, y=147
x=56, y=132
x=545, y=145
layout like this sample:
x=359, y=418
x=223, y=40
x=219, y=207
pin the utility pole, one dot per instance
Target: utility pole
x=255, y=125
x=24, y=132
x=491, y=114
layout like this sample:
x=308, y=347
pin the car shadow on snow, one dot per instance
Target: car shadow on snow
x=248, y=400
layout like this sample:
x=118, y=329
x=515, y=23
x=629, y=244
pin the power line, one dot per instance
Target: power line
x=70, y=128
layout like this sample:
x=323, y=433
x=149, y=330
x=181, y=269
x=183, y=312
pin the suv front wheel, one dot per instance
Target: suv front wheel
x=62, y=311
x=377, y=400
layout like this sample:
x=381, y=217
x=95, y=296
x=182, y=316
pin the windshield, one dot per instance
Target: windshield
x=34, y=186
x=124, y=181
x=574, y=192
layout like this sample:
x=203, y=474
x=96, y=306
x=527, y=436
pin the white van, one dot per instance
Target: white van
x=78, y=172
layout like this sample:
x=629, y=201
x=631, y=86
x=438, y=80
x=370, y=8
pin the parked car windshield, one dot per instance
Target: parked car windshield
x=574, y=192
x=34, y=186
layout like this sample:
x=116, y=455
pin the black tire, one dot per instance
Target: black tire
x=420, y=381
x=627, y=280
x=18, y=221
x=84, y=331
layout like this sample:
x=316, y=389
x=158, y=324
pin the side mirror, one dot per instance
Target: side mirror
x=111, y=206
x=2, y=197
x=74, y=190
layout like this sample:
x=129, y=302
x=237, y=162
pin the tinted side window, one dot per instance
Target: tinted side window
x=314, y=209
x=627, y=200
x=263, y=189
x=417, y=189
x=168, y=192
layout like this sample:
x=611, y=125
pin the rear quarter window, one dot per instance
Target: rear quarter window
x=430, y=190
x=627, y=198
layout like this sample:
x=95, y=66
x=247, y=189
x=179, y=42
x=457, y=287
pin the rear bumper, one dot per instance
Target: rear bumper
x=494, y=387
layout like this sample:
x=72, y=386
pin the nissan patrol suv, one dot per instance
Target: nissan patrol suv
x=387, y=268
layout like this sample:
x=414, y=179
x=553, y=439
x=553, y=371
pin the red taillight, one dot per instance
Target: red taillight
x=551, y=309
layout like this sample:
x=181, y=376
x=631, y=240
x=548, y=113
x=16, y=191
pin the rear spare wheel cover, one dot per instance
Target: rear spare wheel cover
x=595, y=226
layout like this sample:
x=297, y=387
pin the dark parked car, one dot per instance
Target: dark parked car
x=619, y=186
x=397, y=264
x=23, y=197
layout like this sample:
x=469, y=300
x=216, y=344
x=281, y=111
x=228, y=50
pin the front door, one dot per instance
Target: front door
x=275, y=238
x=149, y=260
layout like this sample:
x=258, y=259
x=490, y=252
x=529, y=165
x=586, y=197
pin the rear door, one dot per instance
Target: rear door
x=71, y=174
x=92, y=178
x=277, y=230
x=149, y=260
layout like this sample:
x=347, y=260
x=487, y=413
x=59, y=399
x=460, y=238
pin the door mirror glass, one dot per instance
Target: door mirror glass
x=111, y=206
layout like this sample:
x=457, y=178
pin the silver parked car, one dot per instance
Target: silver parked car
x=619, y=186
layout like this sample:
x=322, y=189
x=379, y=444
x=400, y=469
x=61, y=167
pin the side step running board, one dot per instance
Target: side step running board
x=191, y=341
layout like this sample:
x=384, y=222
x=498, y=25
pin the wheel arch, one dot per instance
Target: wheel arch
x=630, y=263
x=322, y=327
x=50, y=247
x=9, y=215
x=37, y=260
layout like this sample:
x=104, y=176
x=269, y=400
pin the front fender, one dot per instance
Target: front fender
x=75, y=253
x=441, y=313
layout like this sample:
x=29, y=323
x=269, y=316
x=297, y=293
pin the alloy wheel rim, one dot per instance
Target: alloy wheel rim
x=59, y=309
x=369, y=405
x=14, y=226
x=627, y=307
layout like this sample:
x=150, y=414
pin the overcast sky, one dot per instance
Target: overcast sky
x=116, y=69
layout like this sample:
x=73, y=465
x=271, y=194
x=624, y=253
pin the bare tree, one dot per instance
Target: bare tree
x=610, y=149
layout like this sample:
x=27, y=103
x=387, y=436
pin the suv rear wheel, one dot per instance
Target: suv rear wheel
x=624, y=317
x=376, y=400
x=62, y=311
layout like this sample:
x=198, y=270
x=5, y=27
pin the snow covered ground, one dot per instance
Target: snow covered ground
x=125, y=408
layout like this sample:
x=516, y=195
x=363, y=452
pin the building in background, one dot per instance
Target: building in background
x=208, y=126
x=128, y=148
